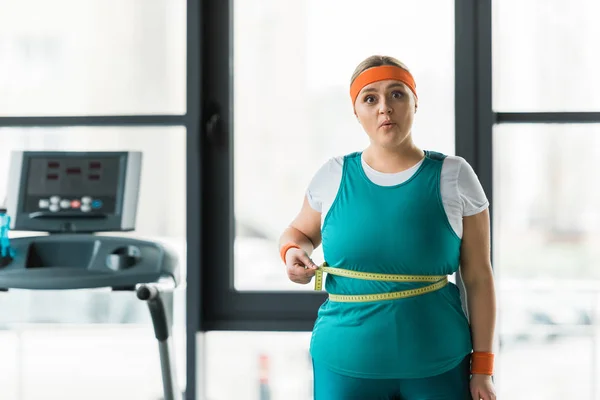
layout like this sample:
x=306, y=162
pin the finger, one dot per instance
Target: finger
x=490, y=395
x=305, y=274
x=295, y=263
x=297, y=272
x=307, y=261
x=299, y=269
x=299, y=275
x=302, y=272
x=485, y=396
x=309, y=272
x=475, y=394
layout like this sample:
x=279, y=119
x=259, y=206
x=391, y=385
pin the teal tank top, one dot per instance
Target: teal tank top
x=400, y=229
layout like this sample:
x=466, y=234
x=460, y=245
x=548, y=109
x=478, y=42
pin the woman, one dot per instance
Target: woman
x=413, y=217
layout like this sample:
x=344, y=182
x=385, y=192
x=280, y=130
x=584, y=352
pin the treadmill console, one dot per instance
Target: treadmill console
x=76, y=192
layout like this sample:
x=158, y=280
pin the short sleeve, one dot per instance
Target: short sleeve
x=470, y=191
x=324, y=184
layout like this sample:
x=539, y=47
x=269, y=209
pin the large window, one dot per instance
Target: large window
x=292, y=112
x=545, y=56
x=547, y=226
x=508, y=62
x=546, y=208
x=67, y=57
x=291, y=66
x=96, y=76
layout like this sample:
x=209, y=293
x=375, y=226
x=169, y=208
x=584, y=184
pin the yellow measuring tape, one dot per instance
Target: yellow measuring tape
x=440, y=282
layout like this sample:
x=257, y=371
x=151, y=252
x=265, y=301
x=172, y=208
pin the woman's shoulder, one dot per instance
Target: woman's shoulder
x=462, y=185
x=446, y=158
x=335, y=164
x=450, y=162
x=325, y=182
x=329, y=170
x=458, y=167
x=458, y=170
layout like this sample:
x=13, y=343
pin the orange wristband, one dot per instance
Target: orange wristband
x=285, y=248
x=482, y=363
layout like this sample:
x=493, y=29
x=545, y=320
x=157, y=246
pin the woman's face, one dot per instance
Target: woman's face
x=386, y=111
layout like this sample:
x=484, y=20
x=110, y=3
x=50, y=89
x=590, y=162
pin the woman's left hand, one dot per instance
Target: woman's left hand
x=482, y=387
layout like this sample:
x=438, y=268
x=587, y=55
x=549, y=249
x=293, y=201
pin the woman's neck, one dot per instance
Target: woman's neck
x=391, y=160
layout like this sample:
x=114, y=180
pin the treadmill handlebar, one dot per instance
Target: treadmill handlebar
x=149, y=291
x=157, y=295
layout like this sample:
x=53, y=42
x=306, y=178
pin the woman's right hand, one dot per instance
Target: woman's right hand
x=300, y=268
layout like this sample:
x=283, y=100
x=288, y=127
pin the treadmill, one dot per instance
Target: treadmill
x=72, y=196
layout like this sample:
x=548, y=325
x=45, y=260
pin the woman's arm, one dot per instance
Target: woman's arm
x=476, y=272
x=304, y=230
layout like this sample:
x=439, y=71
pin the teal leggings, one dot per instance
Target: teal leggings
x=451, y=385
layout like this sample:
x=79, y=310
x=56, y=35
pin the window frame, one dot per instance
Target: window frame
x=219, y=306
x=224, y=308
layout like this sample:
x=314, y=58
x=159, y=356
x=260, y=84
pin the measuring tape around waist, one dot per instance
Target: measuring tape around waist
x=440, y=282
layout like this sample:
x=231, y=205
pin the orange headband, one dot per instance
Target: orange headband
x=381, y=73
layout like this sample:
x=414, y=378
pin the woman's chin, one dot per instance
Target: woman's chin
x=391, y=139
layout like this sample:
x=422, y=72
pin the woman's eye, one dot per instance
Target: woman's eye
x=369, y=99
x=397, y=95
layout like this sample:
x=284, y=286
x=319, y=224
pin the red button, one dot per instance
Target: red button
x=75, y=204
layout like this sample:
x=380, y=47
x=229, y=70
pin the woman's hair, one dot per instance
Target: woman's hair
x=375, y=61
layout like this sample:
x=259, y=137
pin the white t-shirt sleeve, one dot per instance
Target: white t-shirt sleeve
x=470, y=192
x=324, y=185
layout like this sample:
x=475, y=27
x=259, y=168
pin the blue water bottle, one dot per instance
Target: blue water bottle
x=6, y=252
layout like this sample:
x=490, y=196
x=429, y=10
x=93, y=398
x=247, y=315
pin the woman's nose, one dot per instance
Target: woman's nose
x=385, y=108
